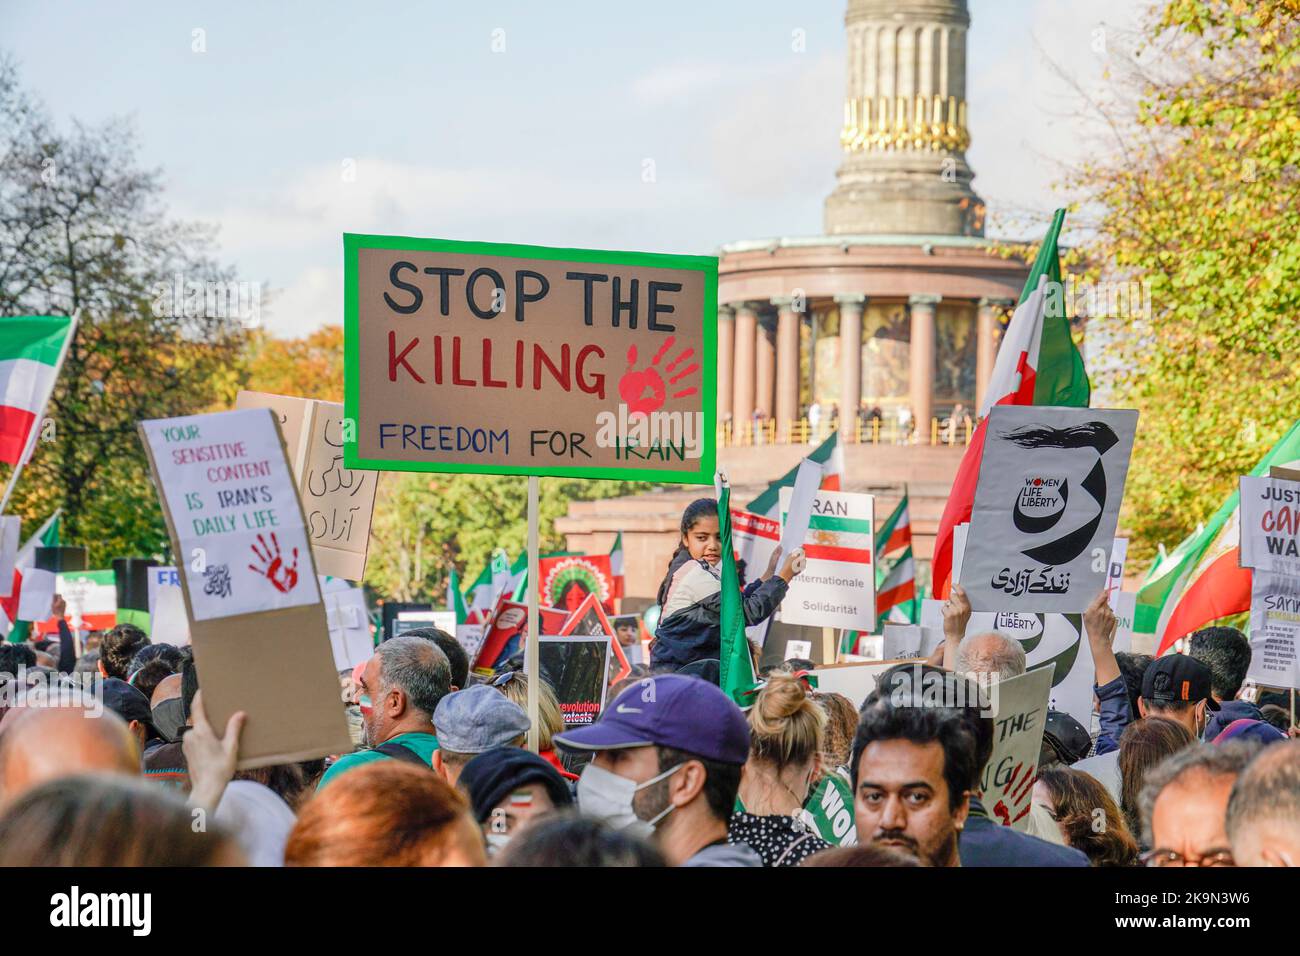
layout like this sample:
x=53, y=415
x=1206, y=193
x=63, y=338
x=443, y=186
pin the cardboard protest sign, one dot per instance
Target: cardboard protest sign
x=1274, y=629
x=503, y=635
x=577, y=669
x=348, y=619
x=565, y=581
x=1270, y=525
x=838, y=587
x=589, y=620
x=627, y=628
x=248, y=580
x=338, y=501
x=902, y=641
x=855, y=681
x=1046, y=505
x=528, y=360
x=1020, y=714
x=754, y=537
x=91, y=597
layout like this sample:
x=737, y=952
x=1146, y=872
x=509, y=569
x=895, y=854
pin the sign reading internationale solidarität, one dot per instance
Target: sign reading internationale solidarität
x=527, y=360
x=1270, y=525
x=838, y=586
x=1046, y=505
x=242, y=545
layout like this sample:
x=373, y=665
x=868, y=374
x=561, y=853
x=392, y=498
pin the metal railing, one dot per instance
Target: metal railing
x=874, y=431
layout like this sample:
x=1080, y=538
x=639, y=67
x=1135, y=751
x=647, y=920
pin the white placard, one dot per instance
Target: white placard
x=160, y=576
x=1046, y=504
x=1270, y=513
x=838, y=586
x=10, y=526
x=901, y=641
x=349, y=624
x=959, y=534
x=234, y=504
x=1115, y=573
x=797, y=505
x=1007, y=781
x=1274, y=630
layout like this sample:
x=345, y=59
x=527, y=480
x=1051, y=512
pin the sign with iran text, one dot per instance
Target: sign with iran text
x=528, y=360
x=838, y=586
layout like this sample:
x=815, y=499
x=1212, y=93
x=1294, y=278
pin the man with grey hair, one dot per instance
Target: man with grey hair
x=1263, y=821
x=401, y=686
x=1184, y=801
x=991, y=653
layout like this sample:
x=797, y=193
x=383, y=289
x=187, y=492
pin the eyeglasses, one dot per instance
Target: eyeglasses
x=1163, y=857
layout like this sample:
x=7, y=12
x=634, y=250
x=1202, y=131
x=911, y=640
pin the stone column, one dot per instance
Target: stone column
x=726, y=359
x=986, y=346
x=850, y=362
x=922, y=364
x=742, y=402
x=765, y=347
x=787, y=366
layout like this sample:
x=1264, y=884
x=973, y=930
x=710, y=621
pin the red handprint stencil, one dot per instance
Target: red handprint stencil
x=283, y=576
x=644, y=390
x=1017, y=792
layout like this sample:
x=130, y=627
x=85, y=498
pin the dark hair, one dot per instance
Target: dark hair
x=189, y=687
x=569, y=839
x=1226, y=652
x=1132, y=667
x=105, y=820
x=14, y=656
x=118, y=646
x=148, y=677
x=456, y=655
x=1143, y=745
x=898, y=710
x=1076, y=799
x=285, y=780
x=697, y=510
x=869, y=854
x=721, y=780
x=169, y=654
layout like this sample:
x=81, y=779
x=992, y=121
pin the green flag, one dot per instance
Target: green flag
x=455, y=602
x=735, y=663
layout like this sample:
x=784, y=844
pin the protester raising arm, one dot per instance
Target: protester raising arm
x=1099, y=624
x=67, y=646
x=956, y=615
x=211, y=759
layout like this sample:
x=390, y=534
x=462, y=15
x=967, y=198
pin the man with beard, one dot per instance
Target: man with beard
x=920, y=746
x=400, y=688
x=668, y=755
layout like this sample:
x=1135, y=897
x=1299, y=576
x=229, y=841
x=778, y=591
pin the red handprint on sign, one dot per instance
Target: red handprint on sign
x=1018, y=791
x=635, y=384
x=283, y=576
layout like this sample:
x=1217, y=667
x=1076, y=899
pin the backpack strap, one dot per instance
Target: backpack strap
x=400, y=752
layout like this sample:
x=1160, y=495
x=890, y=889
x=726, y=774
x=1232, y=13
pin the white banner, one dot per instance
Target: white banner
x=1270, y=512
x=838, y=586
x=1274, y=629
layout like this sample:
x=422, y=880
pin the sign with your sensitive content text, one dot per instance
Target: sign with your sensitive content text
x=504, y=359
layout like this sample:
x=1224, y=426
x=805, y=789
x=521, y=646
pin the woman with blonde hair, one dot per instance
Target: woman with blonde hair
x=514, y=684
x=786, y=735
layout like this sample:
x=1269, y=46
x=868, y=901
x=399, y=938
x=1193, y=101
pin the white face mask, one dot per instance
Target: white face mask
x=608, y=797
x=496, y=842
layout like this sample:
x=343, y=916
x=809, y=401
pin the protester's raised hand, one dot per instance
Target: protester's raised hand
x=58, y=606
x=211, y=759
x=773, y=563
x=1100, y=621
x=794, y=564
x=956, y=613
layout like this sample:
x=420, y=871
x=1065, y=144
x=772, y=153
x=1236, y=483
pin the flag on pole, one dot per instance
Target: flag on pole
x=735, y=663
x=32, y=588
x=828, y=454
x=32, y=348
x=896, y=577
x=1201, y=581
x=616, y=564
x=454, y=600
x=1037, y=364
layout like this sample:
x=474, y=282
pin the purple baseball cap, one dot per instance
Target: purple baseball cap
x=670, y=710
x=1247, y=729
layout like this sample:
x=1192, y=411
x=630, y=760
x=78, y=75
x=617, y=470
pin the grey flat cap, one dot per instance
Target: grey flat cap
x=476, y=719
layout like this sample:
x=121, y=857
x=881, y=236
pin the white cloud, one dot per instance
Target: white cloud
x=672, y=84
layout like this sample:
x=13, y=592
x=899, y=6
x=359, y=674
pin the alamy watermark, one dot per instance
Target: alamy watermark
x=209, y=299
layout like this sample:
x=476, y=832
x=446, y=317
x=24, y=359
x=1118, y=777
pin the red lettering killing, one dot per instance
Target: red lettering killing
x=394, y=359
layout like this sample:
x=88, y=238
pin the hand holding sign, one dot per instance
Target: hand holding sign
x=1100, y=623
x=793, y=565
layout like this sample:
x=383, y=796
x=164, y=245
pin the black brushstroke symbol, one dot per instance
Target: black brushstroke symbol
x=1095, y=435
x=1032, y=524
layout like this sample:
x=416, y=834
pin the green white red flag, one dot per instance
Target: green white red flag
x=33, y=588
x=32, y=349
x=735, y=663
x=896, y=570
x=1037, y=364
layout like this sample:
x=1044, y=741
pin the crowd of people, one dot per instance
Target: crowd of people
x=108, y=757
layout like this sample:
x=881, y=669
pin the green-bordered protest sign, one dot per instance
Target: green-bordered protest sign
x=489, y=358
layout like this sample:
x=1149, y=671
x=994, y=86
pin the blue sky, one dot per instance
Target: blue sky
x=304, y=120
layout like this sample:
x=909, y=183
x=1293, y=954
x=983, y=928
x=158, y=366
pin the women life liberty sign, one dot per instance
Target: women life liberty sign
x=527, y=360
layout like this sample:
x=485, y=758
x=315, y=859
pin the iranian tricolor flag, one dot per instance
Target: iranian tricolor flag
x=32, y=588
x=735, y=662
x=32, y=349
x=828, y=454
x=896, y=570
x=1201, y=582
x=616, y=564
x=1037, y=364
x=455, y=602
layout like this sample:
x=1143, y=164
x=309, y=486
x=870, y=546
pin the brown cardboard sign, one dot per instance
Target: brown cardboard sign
x=339, y=502
x=257, y=623
x=501, y=359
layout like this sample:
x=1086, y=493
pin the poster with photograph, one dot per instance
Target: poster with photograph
x=576, y=668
